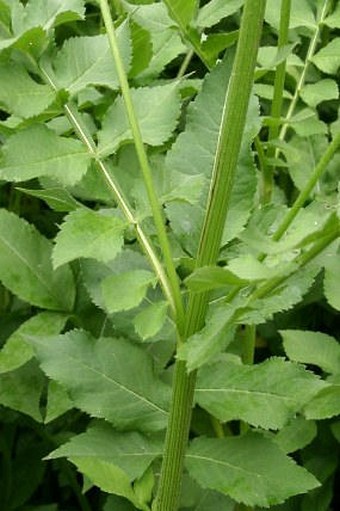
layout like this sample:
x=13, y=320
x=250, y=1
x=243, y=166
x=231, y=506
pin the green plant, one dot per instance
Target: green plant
x=170, y=208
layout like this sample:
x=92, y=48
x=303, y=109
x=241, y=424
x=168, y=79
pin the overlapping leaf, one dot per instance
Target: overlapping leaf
x=157, y=109
x=108, y=378
x=16, y=351
x=26, y=267
x=88, y=233
x=212, y=12
x=263, y=395
x=250, y=469
x=314, y=348
x=37, y=151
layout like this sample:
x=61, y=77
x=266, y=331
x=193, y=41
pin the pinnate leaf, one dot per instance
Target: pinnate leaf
x=150, y=320
x=322, y=90
x=88, y=233
x=250, y=469
x=264, y=395
x=314, y=348
x=330, y=284
x=326, y=403
x=26, y=267
x=108, y=378
x=181, y=12
x=212, y=12
x=37, y=151
x=157, y=109
x=298, y=433
x=125, y=291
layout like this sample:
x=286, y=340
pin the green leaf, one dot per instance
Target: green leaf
x=322, y=90
x=21, y=389
x=86, y=60
x=157, y=109
x=166, y=42
x=126, y=290
x=326, y=403
x=16, y=351
x=214, y=337
x=264, y=395
x=182, y=12
x=328, y=58
x=296, y=435
x=26, y=267
x=108, y=378
x=301, y=14
x=58, y=199
x=250, y=469
x=193, y=153
x=131, y=451
x=215, y=10
x=330, y=283
x=213, y=277
x=20, y=94
x=58, y=401
x=149, y=321
x=37, y=151
x=333, y=20
x=314, y=348
x=88, y=233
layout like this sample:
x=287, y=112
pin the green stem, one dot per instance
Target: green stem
x=248, y=345
x=276, y=108
x=301, y=81
x=232, y=126
x=145, y=168
x=185, y=63
x=304, y=194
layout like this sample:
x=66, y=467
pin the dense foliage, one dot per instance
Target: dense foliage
x=111, y=149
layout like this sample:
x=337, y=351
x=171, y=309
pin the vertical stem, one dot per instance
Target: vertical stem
x=145, y=167
x=248, y=346
x=231, y=130
x=279, y=81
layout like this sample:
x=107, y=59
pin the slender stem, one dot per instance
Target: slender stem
x=301, y=81
x=145, y=167
x=232, y=126
x=276, y=108
x=304, y=194
x=248, y=345
x=185, y=63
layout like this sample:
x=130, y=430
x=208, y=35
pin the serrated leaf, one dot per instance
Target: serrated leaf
x=326, y=403
x=166, y=42
x=108, y=378
x=126, y=290
x=157, y=109
x=193, y=153
x=87, y=60
x=322, y=90
x=26, y=267
x=331, y=289
x=149, y=321
x=264, y=395
x=314, y=348
x=16, y=352
x=328, y=58
x=21, y=389
x=215, y=10
x=250, y=469
x=37, y=151
x=131, y=451
x=20, y=94
x=88, y=233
